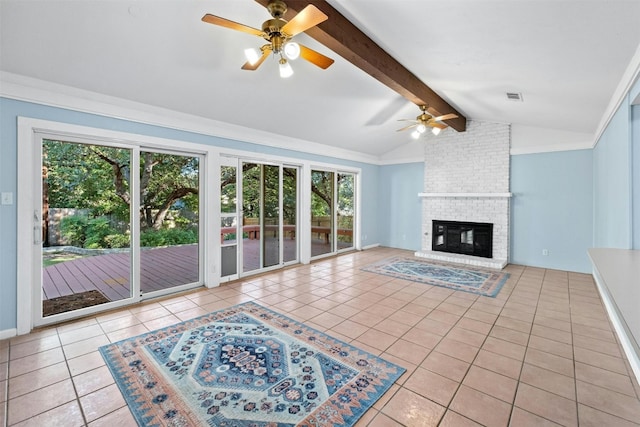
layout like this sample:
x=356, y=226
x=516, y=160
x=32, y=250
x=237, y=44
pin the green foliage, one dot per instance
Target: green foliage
x=117, y=240
x=228, y=197
x=96, y=232
x=168, y=237
x=345, y=194
x=92, y=233
x=321, y=193
x=96, y=177
x=73, y=230
x=260, y=179
x=77, y=177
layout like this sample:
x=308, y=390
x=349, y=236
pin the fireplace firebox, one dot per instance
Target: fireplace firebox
x=467, y=238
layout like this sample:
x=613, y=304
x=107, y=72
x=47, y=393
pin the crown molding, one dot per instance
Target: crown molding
x=551, y=149
x=401, y=161
x=22, y=88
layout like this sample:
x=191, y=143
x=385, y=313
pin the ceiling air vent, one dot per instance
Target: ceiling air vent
x=514, y=96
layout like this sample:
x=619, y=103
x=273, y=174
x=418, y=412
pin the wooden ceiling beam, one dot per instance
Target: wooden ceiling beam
x=341, y=36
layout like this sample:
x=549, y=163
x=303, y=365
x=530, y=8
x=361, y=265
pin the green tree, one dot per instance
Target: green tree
x=322, y=193
x=98, y=178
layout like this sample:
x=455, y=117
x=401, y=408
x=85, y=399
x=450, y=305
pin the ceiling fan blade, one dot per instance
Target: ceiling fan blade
x=266, y=51
x=409, y=120
x=407, y=127
x=308, y=17
x=223, y=22
x=315, y=58
x=446, y=117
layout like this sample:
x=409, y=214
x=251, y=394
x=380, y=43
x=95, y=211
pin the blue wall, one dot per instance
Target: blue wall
x=551, y=209
x=400, y=207
x=11, y=109
x=612, y=183
x=565, y=202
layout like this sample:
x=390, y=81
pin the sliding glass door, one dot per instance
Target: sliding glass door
x=252, y=219
x=271, y=220
x=322, y=207
x=229, y=232
x=86, y=217
x=259, y=229
x=333, y=210
x=169, y=221
x=113, y=232
x=345, y=212
x=290, y=214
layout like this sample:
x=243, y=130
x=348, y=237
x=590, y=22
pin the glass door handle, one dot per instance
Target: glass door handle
x=37, y=234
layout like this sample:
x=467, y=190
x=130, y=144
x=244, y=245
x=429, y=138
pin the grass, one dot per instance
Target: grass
x=48, y=260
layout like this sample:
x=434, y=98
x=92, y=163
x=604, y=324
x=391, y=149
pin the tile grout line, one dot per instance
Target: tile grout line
x=461, y=316
x=73, y=384
x=573, y=352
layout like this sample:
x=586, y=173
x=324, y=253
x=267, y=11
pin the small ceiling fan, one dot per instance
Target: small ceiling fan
x=426, y=119
x=278, y=32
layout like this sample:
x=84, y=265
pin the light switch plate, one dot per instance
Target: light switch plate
x=7, y=198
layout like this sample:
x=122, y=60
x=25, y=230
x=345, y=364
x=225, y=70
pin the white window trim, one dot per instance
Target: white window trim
x=26, y=134
x=28, y=202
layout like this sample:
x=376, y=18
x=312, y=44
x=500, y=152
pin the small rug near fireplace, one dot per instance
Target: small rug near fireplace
x=246, y=366
x=469, y=279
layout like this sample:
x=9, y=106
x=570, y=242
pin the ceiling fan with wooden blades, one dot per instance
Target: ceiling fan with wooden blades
x=427, y=119
x=278, y=33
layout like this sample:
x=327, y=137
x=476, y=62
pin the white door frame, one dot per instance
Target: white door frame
x=27, y=201
x=29, y=205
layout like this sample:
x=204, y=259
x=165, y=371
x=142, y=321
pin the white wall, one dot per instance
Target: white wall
x=475, y=161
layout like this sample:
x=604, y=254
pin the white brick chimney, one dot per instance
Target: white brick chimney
x=467, y=179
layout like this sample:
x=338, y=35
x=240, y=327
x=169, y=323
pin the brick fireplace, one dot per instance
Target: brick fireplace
x=467, y=180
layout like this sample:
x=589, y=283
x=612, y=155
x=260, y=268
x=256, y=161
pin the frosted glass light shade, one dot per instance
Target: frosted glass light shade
x=292, y=50
x=285, y=69
x=436, y=131
x=421, y=128
x=415, y=134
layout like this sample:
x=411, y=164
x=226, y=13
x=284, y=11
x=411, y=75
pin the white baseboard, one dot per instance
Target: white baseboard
x=626, y=340
x=375, y=245
x=8, y=333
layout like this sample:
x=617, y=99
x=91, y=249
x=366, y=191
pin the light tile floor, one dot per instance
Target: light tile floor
x=541, y=353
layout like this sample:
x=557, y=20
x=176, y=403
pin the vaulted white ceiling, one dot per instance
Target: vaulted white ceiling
x=565, y=57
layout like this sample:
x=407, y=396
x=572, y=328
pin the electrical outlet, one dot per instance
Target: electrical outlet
x=545, y=252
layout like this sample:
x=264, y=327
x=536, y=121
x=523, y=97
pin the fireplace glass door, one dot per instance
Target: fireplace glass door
x=466, y=238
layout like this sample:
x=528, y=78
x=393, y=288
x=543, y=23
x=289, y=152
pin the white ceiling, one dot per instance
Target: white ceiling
x=565, y=57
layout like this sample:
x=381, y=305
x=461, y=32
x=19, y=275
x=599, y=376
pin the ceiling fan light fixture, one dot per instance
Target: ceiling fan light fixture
x=436, y=131
x=415, y=134
x=292, y=50
x=252, y=55
x=285, y=69
x=421, y=128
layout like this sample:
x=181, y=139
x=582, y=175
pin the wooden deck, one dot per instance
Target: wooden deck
x=160, y=268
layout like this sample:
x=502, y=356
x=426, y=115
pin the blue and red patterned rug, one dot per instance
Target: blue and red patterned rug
x=246, y=366
x=476, y=280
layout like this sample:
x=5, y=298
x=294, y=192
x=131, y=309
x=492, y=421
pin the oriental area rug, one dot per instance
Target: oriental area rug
x=246, y=366
x=476, y=280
